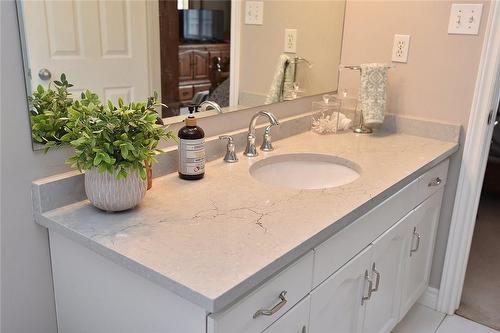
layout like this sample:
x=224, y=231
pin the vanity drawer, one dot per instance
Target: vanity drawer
x=295, y=280
x=433, y=180
x=185, y=93
x=341, y=247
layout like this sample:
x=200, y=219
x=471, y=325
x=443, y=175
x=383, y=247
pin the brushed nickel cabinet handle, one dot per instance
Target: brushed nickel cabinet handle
x=415, y=234
x=370, y=288
x=377, y=281
x=435, y=182
x=274, y=309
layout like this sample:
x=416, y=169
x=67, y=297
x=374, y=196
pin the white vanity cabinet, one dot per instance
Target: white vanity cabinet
x=363, y=279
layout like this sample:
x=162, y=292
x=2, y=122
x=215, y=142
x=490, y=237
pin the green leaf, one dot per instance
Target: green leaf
x=142, y=173
x=124, y=151
x=97, y=159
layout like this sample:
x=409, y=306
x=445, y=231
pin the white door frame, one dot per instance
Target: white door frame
x=475, y=156
x=234, y=62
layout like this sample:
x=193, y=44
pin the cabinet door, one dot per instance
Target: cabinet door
x=419, y=256
x=185, y=65
x=296, y=320
x=201, y=64
x=336, y=303
x=387, y=266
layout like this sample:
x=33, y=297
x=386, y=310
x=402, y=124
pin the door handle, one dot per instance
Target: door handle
x=415, y=233
x=44, y=74
x=377, y=281
x=370, y=288
x=274, y=309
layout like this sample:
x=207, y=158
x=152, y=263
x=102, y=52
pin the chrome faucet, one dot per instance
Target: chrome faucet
x=210, y=105
x=251, y=150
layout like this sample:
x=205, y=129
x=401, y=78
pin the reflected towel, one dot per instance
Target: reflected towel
x=372, y=93
x=283, y=80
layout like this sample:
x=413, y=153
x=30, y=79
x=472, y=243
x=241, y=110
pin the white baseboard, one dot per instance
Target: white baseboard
x=429, y=298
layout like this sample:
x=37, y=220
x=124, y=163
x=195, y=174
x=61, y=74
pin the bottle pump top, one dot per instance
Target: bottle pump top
x=191, y=120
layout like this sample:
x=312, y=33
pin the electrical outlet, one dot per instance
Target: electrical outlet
x=290, y=41
x=254, y=12
x=465, y=19
x=400, y=48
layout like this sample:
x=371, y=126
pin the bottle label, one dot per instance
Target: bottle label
x=192, y=156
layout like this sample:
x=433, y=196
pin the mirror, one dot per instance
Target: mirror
x=188, y=51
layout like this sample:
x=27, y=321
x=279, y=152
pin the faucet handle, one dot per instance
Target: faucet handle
x=230, y=156
x=267, y=145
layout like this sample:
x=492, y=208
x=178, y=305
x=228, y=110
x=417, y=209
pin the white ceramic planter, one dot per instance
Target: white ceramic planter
x=107, y=193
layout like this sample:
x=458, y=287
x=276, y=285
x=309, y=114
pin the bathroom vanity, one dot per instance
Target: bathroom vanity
x=233, y=254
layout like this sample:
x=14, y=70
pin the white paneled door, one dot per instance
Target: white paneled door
x=100, y=45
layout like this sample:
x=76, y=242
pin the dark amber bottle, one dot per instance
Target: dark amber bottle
x=191, y=149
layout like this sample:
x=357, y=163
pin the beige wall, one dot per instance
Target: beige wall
x=438, y=80
x=319, y=38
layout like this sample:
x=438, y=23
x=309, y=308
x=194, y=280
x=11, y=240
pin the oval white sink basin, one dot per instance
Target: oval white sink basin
x=305, y=171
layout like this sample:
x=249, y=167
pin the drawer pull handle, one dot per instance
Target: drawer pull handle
x=370, y=289
x=415, y=234
x=274, y=309
x=377, y=281
x=435, y=182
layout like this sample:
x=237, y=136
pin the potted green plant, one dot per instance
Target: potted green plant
x=113, y=145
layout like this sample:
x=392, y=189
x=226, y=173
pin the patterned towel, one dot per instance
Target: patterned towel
x=282, y=81
x=372, y=93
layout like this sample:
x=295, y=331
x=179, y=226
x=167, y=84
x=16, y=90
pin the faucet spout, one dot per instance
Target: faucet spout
x=205, y=105
x=251, y=149
x=270, y=117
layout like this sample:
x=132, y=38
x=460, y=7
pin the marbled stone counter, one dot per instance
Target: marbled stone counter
x=214, y=240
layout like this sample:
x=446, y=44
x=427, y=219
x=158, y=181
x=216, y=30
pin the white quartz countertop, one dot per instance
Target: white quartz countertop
x=212, y=241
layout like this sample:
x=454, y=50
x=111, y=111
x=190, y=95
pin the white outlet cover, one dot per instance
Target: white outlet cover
x=465, y=19
x=254, y=12
x=290, y=41
x=400, y=48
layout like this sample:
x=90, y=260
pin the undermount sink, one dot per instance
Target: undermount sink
x=305, y=171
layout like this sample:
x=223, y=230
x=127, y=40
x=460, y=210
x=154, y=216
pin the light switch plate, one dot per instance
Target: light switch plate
x=400, y=48
x=465, y=19
x=290, y=41
x=254, y=12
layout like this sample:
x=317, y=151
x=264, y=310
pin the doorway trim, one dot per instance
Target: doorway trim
x=234, y=64
x=475, y=156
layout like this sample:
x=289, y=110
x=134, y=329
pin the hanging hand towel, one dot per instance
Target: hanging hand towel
x=372, y=93
x=282, y=81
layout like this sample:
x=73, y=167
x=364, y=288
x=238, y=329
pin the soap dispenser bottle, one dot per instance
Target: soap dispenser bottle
x=191, y=149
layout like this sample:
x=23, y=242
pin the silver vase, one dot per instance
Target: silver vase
x=107, y=193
